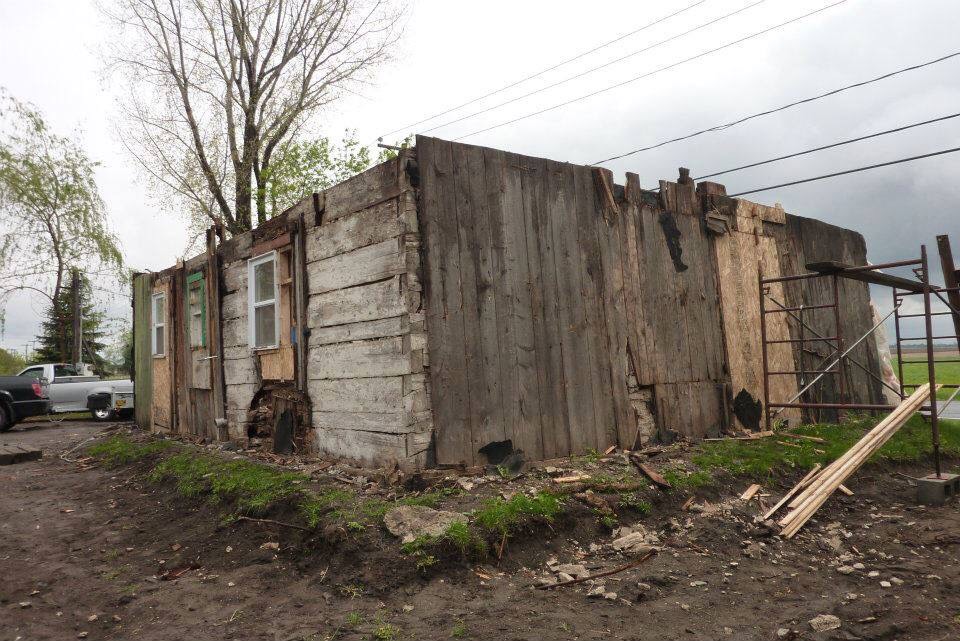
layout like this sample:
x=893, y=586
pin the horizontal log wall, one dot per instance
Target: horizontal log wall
x=367, y=356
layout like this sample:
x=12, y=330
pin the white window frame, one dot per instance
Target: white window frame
x=198, y=334
x=269, y=257
x=155, y=324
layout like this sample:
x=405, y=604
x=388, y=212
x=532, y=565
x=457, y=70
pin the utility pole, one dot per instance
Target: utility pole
x=77, y=320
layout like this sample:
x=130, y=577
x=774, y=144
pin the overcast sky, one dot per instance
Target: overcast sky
x=455, y=51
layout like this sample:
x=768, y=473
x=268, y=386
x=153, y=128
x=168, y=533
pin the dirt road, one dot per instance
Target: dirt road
x=84, y=552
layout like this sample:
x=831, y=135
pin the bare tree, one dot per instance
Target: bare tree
x=214, y=87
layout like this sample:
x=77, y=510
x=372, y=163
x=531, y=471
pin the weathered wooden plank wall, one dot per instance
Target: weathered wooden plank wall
x=540, y=288
x=365, y=370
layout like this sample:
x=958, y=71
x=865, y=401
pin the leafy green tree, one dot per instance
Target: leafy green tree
x=52, y=218
x=10, y=362
x=303, y=167
x=55, y=342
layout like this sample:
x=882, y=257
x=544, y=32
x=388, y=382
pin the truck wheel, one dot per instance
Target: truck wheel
x=103, y=414
x=5, y=421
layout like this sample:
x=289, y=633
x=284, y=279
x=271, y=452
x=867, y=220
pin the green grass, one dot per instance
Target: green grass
x=119, y=450
x=765, y=457
x=254, y=488
x=500, y=515
x=915, y=372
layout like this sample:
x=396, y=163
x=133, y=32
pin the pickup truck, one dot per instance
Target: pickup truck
x=20, y=398
x=73, y=391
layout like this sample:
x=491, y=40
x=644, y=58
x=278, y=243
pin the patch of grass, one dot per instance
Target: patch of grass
x=637, y=503
x=459, y=630
x=121, y=450
x=252, y=487
x=915, y=372
x=683, y=479
x=386, y=632
x=499, y=515
x=355, y=619
x=764, y=457
x=468, y=542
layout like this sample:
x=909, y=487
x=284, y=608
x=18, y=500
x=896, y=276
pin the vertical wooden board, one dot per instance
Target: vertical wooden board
x=182, y=359
x=615, y=312
x=572, y=315
x=162, y=411
x=476, y=240
x=592, y=284
x=527, y=432
x=659, y=300
x=638, y=314
x=543, y=300
x=143, y=360
x=445, y=311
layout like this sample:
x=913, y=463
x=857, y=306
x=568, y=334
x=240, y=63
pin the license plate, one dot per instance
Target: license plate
x=121, y=402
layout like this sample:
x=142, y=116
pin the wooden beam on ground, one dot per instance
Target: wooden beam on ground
x=750, y=492
x=796, y=488
x=650, y=473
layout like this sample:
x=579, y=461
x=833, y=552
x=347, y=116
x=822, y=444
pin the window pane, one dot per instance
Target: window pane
x=263, y=282
x=158, y=311
x=265, y=328
x=159, y=340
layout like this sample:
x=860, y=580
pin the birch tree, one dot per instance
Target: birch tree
x=214, y=88
x=53, y=218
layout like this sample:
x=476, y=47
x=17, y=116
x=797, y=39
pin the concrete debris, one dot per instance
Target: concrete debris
x=573, y=570
x=824, y=622
x=408, y=522
x=845, y=569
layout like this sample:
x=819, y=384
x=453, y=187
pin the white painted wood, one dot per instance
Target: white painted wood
x=366, y=227
x=363, y=265
x=387, y=422
x=380, y=394
x=385, y=327
x=363, y=359
x=382, y=299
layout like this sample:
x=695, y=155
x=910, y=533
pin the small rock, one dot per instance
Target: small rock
x=824, y=622
x=859, y=566
x=896, y=580
x=92, y=618
x=82, y=635
x=610, y=596
x=644, y=587
x=26, y=604
x=408, y=608
x=596, y=591
x=684, y=606
x=727, y=631
x=845, y=569
x=785, y=633
x=563, y=577
x=576, y=571
x=697, y=584
x=229, y=549
x=873, y=574
x=546, y=580
x=270, y=545
x=116, y=617
x=885, y=584
x=230, y=584
x=408, y=522
x=465, y=484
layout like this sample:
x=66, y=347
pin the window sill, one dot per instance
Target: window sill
x=271, y=349
x=159, y=356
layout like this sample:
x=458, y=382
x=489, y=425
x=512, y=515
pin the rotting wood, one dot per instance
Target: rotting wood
x=576, y=478
x=649, y=472
x=750, y=492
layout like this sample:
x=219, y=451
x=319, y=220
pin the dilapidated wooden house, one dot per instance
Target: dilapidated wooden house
x=457, y=302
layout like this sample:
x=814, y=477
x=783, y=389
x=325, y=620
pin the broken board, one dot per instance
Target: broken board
x=11, y=454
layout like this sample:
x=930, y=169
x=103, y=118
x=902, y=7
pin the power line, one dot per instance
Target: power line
x=548, y=69
x=655, y=71
x=783, y=107
x=848, y=171
x=597, y=68
x=830, y=146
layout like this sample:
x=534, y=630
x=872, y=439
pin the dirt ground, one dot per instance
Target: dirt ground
x=92, y=553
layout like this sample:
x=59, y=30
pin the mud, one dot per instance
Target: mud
x=101, y=554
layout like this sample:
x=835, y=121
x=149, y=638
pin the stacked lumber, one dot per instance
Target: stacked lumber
x=814, y=491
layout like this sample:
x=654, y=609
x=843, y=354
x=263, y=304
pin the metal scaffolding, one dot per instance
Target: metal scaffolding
x=839, y=358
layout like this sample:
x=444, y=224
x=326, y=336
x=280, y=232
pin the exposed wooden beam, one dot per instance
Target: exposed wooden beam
x=867, y=276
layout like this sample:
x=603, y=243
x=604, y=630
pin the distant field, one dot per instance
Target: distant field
x=915, y=370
